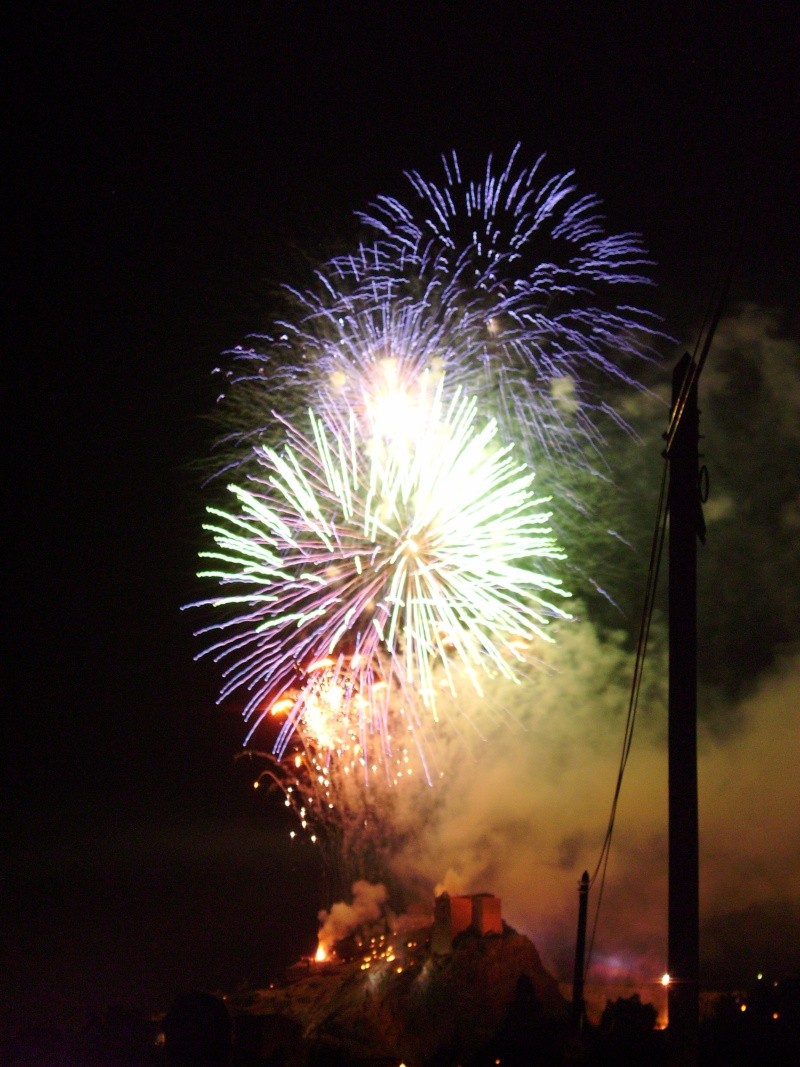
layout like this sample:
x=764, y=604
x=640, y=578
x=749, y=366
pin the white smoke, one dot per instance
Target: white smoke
x=530, y=769
x=344, y=919
x=526, y=819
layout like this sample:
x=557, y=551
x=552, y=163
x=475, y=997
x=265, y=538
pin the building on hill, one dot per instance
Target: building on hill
x=480, y=912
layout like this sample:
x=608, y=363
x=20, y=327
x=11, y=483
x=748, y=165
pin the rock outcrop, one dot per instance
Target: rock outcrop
x=398, y=1002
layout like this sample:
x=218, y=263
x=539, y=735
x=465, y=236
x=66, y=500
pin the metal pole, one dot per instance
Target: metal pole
x=685, y=524
x=580, y=951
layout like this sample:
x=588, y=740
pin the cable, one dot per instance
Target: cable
x=656, y=551
x=708, y=328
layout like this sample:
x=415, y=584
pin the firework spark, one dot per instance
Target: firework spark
x=345, y=781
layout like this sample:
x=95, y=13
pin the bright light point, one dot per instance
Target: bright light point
x=759, y=976
x=665, y=979
x=256, y=784
x=321, y=955
x=292, y=834
x=743, y=1007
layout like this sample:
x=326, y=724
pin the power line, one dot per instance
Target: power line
x=656, y=550
x=702, y=347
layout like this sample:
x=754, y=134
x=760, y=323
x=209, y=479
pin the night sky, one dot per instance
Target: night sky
x=170, y=169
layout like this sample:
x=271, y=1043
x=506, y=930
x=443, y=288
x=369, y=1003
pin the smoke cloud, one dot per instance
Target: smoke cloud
x=344, y=919
x=530, y=769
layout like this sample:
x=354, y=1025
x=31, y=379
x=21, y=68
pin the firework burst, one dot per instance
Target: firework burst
x=329, y=355
x=382, y=554
x=510, y=284
x=405, y=543
x=523, y=266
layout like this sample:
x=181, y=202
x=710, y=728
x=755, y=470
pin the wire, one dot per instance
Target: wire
x=708, y=328
x=656, y=552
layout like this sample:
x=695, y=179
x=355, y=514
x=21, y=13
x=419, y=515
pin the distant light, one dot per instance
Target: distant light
x=775, y=1015
x=665, y=979
x=759, y=976
x=743, y=1007
x=255, y=784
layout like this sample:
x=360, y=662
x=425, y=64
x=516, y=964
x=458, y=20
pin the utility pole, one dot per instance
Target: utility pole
x=580, y=951
x=685, y=526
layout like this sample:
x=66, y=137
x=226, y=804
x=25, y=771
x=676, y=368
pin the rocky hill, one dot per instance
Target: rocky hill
x=391, y=1000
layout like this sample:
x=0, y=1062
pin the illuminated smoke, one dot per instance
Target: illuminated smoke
x=343, y=919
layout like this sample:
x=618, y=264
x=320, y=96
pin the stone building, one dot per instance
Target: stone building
x=480, y=912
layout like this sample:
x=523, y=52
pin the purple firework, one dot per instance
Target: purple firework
x=511, y=285
x=522, y=266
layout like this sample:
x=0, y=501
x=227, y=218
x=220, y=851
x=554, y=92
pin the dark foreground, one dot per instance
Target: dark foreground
x=124, y=1039
x=488, y=1003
